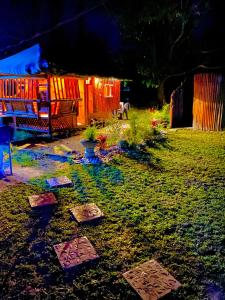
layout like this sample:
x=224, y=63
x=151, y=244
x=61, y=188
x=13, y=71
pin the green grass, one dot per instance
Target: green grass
x=23, y=159
x=169, y=205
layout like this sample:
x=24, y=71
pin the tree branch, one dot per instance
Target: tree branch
x=177, y=40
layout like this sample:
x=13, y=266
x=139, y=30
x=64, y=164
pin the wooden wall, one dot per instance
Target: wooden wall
x=102, y=96
x=209, y=102
x=51, y=101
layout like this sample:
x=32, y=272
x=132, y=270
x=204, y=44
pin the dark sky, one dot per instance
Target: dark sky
x=81, y=36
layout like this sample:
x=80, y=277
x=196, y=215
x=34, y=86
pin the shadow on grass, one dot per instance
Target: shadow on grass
x=142, y=152
x=104, y=175
x=80, y=187
x=145, y=157
x=159, y=142
x=30, y=252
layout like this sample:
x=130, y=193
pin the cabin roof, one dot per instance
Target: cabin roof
x=30, y=62
x=26, y=62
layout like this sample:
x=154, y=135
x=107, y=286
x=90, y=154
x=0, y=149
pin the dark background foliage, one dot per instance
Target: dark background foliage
x=147, y=41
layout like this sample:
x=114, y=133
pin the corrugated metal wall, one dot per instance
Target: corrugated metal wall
x=209, y=102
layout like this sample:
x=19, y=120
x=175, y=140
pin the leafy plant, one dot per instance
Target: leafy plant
x=161, y=117
x=102, y=141
x=23, y=159
x=140, y=129
x=133, y=130
x=114, y=130
x=90, y=133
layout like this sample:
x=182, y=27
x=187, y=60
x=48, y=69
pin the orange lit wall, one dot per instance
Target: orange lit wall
x=208, y=102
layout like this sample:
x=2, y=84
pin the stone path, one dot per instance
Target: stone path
x=75, y=252
x=151, y=281
x=61, y=181
x=42, y=200
x=86, y=212
x=80, y=250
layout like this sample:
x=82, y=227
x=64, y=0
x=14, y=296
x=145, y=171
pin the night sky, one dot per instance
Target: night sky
x=76, y=36
x=84, y=36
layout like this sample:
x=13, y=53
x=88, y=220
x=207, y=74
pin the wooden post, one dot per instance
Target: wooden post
x=50, y=108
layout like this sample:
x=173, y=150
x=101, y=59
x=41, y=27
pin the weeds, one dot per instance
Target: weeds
x=23, y=159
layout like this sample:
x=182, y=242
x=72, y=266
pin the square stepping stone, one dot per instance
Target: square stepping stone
x=151, y=281
x=42, y=200
x=86, y=212
x=75, y=252
x=61, y=181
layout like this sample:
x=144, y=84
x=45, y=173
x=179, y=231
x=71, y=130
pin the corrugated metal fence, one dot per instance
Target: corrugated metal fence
x=209, y=102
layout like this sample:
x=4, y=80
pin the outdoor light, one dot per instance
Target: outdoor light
x=88, y=81
x=98, y=82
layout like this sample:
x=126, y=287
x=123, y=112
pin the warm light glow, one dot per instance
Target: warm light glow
x=88, y=81
x=43, y=115
x=98, y=82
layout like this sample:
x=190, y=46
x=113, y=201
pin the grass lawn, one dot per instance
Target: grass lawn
x=169, y=206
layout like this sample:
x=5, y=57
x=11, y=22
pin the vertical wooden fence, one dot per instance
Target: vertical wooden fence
x=209, y=102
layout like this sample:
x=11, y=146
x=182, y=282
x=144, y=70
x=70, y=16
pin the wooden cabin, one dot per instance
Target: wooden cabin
x=46, y=103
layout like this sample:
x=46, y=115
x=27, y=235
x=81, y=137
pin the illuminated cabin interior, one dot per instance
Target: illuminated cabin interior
x=47, y=103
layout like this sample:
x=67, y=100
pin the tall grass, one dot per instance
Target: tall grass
x=162, y=115
x=138, y=129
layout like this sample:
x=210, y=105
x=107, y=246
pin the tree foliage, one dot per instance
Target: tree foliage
x=160, y=34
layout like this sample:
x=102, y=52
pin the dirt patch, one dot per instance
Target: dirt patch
x=24, y=174
x=7, y=182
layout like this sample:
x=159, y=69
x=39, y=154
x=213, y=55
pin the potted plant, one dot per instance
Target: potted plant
x=89, y=142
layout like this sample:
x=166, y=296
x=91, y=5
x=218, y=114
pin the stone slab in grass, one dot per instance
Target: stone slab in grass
x=151, y=281
x=75, y=252
x=86, y=212
x=42, y=200
x=61, y=181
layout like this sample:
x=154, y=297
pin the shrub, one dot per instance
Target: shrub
x=142, y=128
x=90, y=133
x=133, y=131
x=114, y=131
x=161, y=116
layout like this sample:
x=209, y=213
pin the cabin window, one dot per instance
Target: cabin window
x=108, y=92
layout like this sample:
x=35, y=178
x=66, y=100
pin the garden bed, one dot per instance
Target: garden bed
x=166, y=204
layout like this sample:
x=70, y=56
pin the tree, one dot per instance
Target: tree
x=160, y=36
